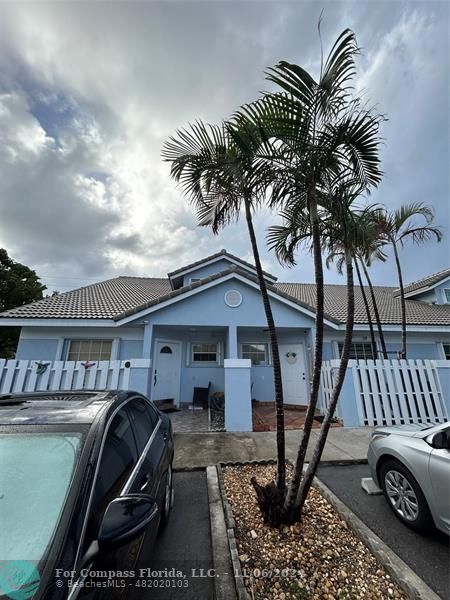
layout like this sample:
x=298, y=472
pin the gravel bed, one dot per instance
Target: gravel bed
x=217, y=420
x=320, y=558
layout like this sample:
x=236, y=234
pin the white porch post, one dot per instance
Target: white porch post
x=238, y=397
x=147, y=353
x=232, y=342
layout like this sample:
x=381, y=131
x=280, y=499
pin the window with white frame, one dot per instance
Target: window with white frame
x=359, y=351
x=92, y=350
x=205, y=352
x=446, y=348
x=447, y=295
x=258, y=353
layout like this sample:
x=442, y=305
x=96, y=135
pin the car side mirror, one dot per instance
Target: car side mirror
x=124, y=519
x=440, y=441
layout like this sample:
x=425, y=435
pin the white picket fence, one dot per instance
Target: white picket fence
x=39, y=376
x=391, y=392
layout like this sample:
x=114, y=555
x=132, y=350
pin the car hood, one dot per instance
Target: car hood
x=406, y=430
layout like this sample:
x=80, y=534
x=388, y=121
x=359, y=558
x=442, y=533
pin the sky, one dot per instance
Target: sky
x=89, y=92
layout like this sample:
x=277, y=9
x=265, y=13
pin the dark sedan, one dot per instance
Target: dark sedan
x=85, y=481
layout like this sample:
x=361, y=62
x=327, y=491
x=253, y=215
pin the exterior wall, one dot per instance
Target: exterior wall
x=51, y=343
x=208, y=308
x=37, y=349
x=435, y=295
x=205, y=271
x=194, y=375
x=426, y=345
x=439, y=291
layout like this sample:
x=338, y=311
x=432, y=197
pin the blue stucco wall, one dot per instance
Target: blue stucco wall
x=130, y=349
x=206, y=271
x=209, y=308
x=37, y=349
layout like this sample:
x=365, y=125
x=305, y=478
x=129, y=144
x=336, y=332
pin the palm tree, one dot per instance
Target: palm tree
x=395, y=229
x=338, y=256
x=318, y=129
x=216, y=168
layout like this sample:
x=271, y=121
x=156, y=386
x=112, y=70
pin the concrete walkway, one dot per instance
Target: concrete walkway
x=204, y=449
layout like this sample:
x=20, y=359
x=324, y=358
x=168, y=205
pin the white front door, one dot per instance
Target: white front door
x=293, y=374
x=166, y=371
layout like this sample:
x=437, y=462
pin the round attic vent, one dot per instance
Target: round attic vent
x=233, y=298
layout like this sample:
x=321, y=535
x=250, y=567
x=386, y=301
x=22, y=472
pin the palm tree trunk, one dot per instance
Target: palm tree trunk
x=314, y=463
x=402, y=299
x=369, y=316
x=309, y=420
x=375, y=310
x=281, y=458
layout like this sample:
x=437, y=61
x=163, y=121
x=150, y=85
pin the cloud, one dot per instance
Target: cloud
x=89, y=93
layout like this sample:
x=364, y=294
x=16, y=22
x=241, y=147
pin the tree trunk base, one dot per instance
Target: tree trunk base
x=271, y=503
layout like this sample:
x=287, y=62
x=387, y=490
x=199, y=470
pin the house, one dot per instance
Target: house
x=205, y=323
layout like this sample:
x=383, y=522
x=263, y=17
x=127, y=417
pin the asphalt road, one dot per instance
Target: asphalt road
x=428, y=555
x=183, y=547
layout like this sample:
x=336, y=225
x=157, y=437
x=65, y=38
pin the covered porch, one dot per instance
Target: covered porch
x=233, y=363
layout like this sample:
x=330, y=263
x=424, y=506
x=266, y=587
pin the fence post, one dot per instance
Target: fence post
x=138, y=377
x=349, y=402
x=238, y=397
x=443, y=372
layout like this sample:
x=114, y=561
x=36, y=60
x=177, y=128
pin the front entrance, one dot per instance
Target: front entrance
x=293, y=374
x=166, y=371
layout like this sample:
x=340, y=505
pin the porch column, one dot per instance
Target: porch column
x=146, y=353
x=238, y=397
x=232, y=342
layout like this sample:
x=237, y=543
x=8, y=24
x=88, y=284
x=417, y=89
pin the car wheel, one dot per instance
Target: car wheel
x=167, y=499
x=404, y=495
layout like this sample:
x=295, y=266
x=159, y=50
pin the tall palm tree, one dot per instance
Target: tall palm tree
x=338, y=257
x=216, y=168
x=395, y=229
x=318, y=129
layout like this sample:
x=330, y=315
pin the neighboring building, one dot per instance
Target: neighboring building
x=211, y=310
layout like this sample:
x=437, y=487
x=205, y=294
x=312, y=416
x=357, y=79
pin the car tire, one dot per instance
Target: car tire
x=404, y=496
x=167, y=498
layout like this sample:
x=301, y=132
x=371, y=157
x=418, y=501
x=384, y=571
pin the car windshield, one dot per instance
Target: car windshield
x=35, y=475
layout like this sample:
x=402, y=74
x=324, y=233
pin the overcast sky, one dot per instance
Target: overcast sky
x=89, y=91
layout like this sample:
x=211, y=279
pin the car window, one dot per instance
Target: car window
x=145, y=420
x=36, y=471
x=118, y=459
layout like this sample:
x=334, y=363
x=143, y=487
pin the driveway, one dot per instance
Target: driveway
x=185, y=545
x=427, y=555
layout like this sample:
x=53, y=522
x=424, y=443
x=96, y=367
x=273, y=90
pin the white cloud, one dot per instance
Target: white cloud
x=89, y=94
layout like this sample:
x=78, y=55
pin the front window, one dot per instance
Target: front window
x=447, y=295
x=446, y=348
x=36, y=471
x=257, y=353
x=205, y=352
x=359, y=351
x=89, y=350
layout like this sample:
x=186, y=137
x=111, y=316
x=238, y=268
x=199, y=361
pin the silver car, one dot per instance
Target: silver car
x=411, y=464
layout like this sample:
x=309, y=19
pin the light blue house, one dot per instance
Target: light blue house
x=205, y=324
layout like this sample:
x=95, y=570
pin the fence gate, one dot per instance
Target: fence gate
x=398, y=392
x=390, y=392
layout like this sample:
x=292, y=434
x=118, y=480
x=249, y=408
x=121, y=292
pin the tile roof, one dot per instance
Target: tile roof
x=124, y=296
x=425, y=282
x=102, y=300
x=417, y=313
x=212, y=257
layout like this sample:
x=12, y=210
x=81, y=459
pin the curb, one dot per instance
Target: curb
x=413, y=586
x=231, y=526
x=222, y=552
